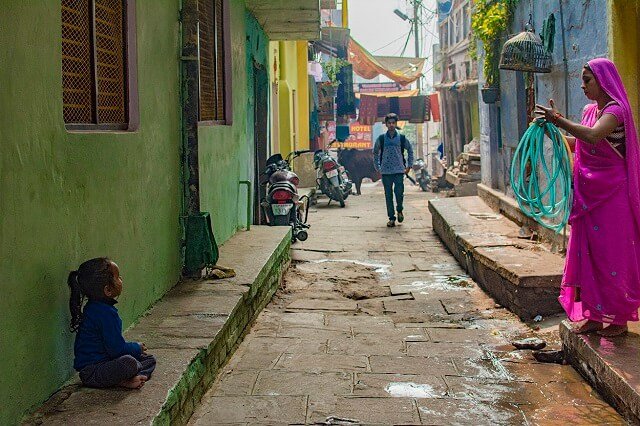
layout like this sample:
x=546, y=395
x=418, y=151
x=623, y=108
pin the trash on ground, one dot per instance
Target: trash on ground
x=529, y=343
x=549, y=356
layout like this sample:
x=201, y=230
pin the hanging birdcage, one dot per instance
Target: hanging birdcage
x=525, y=52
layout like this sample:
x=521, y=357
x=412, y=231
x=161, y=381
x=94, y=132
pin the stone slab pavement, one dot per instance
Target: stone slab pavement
x=377, y=325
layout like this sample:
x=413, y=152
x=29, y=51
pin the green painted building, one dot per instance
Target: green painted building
x=92, y=130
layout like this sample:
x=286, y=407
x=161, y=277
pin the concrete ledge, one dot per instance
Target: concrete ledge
x=192, y=332
x=610, y=365
x=520, y=275
x=508, y=207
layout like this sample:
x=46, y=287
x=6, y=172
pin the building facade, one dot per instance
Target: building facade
x=458, y=82
x=583, y=31
x=97, y=155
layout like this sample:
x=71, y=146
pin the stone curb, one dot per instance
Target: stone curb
x=523, y=280
x=204, y=368
x=609, y=369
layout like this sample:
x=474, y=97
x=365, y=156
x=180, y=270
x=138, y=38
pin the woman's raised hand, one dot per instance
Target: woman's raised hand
x=550, y=113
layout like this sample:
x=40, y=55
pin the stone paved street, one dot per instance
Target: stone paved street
x=381, y=326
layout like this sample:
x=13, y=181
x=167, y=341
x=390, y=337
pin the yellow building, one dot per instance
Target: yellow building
x=290, y=92
x=624, y=45
x=289, y=96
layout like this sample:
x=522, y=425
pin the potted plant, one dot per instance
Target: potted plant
x=490, y=94
x=489, y=20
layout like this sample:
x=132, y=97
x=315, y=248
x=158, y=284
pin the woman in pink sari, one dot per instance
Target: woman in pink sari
x=601, y=282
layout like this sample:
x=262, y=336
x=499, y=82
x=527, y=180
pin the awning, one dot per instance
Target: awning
x=399, y=94
x=287, y=19
x=399, y=69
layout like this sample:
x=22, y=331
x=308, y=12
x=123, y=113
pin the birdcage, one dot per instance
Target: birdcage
x=525, y=52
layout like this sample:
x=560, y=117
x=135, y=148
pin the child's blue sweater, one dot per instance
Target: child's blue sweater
x=99, y=337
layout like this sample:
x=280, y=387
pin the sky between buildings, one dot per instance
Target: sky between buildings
x=374, y=25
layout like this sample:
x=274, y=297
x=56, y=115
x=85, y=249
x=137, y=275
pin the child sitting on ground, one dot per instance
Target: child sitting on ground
x=102, y=356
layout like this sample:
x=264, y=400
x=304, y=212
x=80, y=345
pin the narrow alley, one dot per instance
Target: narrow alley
x=374, y=325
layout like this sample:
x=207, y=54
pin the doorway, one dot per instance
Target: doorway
x=261, y=136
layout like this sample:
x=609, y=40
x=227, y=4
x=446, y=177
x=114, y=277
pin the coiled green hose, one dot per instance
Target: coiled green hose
x=543, y=190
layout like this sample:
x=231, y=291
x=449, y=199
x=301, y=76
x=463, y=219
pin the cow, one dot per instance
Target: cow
x=359, y=165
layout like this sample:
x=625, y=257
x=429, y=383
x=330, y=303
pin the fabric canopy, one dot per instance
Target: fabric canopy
x=398, y=94
x=399, y=69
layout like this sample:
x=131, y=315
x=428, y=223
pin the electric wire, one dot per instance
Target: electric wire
x=391, y=42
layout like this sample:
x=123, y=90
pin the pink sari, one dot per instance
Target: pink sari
x=601, y=279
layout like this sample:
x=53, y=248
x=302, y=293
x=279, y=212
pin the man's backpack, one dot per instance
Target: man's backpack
x=403, y=147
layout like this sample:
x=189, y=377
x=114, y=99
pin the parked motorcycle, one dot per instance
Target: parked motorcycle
x=422, y=175
x=282, y=205
x=331, y=177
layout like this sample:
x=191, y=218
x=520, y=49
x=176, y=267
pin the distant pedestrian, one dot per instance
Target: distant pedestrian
x=601, y=282
x=388, y=153
x=102, y=356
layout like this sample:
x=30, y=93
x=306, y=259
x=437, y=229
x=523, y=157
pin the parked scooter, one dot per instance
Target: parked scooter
x=422, y=175
x=282, y=205
x=331, y=177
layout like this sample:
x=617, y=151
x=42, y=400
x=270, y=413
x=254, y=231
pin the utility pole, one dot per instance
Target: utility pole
x=416, y=33
x=416, y=37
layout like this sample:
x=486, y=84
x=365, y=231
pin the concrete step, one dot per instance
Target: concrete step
x=192, y=331
x=521, y=275
x=508, y=206
x=610, y=365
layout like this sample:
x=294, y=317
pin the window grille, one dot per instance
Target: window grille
x=94, y=68
x=212, y=60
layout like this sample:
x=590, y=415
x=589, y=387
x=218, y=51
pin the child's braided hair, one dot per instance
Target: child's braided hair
x=88, y=281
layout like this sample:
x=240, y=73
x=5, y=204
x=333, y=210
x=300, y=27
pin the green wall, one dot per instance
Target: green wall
x=67, y=197
x=226, y=152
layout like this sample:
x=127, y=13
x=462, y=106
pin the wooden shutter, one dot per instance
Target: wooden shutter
x=77, y=78
x=211, y=39
x=94, y=76
x=220, y=68
x=207, y=41
x=110, y=61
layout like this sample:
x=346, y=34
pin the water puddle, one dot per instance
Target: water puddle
x=410, y=390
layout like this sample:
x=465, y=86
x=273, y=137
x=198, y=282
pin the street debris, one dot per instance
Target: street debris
x=529, y=343
x=549, y=356
x=332, y=420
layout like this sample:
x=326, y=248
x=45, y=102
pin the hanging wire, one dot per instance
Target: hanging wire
x=392, y=41
x=406, y=42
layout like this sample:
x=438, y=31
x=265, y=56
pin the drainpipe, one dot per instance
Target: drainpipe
x=566, y=63
x=200, y=248
x=566, y=97
x=189, y=72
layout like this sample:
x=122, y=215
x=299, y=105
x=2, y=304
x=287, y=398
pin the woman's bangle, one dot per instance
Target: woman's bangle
x=556, y=116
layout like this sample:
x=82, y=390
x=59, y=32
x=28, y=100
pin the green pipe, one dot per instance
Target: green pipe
x=248, y=183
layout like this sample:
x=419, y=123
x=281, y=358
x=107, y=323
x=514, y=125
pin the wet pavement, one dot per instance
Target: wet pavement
x=377, y=325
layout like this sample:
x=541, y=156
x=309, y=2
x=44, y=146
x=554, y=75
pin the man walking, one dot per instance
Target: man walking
x=388, y=153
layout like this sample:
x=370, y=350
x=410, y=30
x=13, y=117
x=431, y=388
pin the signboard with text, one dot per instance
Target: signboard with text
x=377, y=87
x=360, y=137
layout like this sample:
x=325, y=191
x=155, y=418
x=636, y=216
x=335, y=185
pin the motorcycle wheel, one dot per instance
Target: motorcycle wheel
x=345, y=193
x=281, y=221
x=424, y=185
x=340, y=197
x=302, y=235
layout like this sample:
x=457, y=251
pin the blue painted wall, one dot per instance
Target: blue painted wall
x=584, y=40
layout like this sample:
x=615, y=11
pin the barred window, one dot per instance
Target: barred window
x=94, y=64
x=214, y=61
